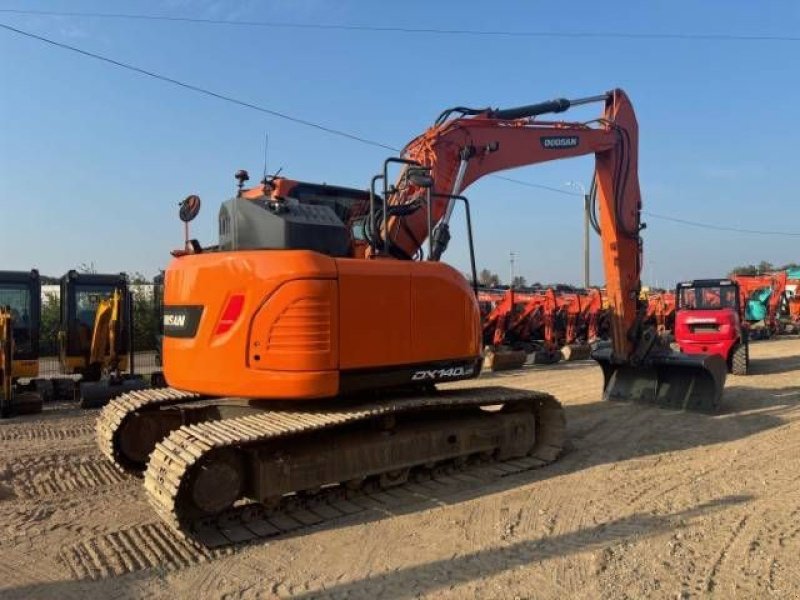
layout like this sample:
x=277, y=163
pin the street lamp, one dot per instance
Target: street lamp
x=582, y=189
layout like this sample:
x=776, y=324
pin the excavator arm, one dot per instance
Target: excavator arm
x=103, y=352
x=458, y=151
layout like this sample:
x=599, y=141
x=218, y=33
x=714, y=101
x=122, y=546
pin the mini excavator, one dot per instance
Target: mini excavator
x=94, y=337
x=20, y=298
x=304, y=350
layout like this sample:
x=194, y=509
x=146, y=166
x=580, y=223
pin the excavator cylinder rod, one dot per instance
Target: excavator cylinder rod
x=668, y=380
x=558, y=105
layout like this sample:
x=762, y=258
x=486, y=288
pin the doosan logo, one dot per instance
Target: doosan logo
x=174, y=321
x=441, y=373
x=560, y=142
x=181, y=321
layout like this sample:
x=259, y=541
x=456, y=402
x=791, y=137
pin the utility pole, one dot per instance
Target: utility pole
x=511, y=256
x=582, y=189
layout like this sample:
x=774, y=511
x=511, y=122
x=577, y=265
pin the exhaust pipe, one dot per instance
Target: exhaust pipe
x=666, y=379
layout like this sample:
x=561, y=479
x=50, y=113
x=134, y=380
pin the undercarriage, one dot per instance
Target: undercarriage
x=202, y=458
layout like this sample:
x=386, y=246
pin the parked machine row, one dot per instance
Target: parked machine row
x=543, y=324
x=93, y=339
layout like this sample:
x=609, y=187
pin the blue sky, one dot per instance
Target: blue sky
x=93, y=159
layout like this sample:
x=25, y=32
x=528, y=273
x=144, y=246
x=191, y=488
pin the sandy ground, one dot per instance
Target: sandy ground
x=645, y=503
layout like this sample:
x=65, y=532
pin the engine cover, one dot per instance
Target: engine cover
x=258, y=224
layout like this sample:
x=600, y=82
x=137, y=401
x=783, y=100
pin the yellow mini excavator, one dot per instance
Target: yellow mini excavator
x=19, y=342
x=95, y=336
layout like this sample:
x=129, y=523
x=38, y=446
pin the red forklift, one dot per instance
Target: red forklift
x=709, y=320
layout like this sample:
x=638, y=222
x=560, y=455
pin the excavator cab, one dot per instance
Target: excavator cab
x=20, y=314
x=95, y=333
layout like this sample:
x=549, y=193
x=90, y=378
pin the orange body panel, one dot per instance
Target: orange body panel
x=219, y=363
x=375, y=310
x=444, y=314
x=306, y=318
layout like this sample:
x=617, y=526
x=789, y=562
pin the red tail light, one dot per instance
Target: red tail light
x=232, y=311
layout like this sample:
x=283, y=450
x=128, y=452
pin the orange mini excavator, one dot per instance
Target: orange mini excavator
x=303, y=349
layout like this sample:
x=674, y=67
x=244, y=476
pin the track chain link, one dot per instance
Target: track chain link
x=120, y=408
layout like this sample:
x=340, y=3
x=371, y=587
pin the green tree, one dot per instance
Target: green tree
x=518, y=281
x=51, y=320
x=747, y=270
x=487, y=278
x=765, y=267
x=145, y=320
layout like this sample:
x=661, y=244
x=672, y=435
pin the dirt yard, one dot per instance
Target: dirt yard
x=645, y=503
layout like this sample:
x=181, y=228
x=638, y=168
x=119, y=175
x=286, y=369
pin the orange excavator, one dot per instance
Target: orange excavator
x=582, y=316
x=304, y=350
x=548, y=324
x=761, y=300
x=661, y=311
x=506, y=327
x=534, y=327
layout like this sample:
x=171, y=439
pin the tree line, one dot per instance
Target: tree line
x=488, y=278
x=763, y=267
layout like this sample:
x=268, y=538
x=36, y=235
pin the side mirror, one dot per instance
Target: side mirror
x=189, y=208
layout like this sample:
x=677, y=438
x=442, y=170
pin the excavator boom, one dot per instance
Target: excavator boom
x=458, y=151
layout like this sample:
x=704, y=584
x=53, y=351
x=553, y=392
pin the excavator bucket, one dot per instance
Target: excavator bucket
x=503, y=360
x=668, y=380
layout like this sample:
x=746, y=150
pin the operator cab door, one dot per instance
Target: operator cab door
x=81, y=293
x=21, y=293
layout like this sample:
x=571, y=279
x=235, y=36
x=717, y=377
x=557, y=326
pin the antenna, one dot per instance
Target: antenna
x=266, y=154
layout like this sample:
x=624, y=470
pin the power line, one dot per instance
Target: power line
x=197, y=89
x=720, y=37
x=719, y=227
x=537, y=185
x=345, y=134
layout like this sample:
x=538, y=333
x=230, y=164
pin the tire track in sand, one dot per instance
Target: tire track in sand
x=49, y=475
x=33, y=432
x=155, y=544
x=133, y=549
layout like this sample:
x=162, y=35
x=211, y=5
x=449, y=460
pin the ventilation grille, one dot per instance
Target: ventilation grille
x=304, y=326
